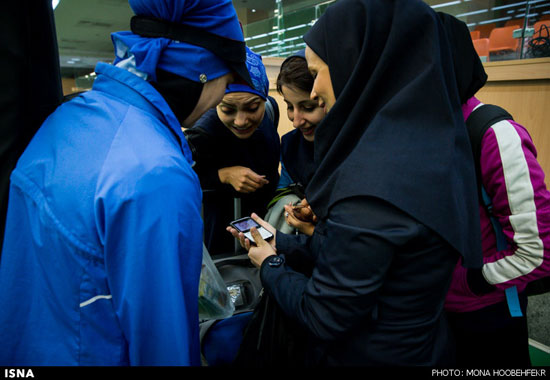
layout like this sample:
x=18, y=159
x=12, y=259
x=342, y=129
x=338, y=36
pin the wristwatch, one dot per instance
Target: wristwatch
x=275, y=261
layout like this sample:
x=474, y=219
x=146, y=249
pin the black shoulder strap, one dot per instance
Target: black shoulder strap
x=477, y=123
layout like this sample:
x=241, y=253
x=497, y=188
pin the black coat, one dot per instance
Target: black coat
x=297, y=157
x=376, y=293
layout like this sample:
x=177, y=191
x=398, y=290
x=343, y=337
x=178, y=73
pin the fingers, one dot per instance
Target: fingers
x=245, y=243
x=263, y=223
x=249, y=185
x=304, y=214
x=260, y=180
x=243, y=179
x=258, y=239
x=246, y=188
x=252, y=181
x=292, y=221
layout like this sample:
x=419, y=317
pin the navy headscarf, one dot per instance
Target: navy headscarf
x=469, y=71
x=396, y=131
x=258, y=76
x=296, y=151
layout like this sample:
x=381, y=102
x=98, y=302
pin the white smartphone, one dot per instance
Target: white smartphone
x=245, y=224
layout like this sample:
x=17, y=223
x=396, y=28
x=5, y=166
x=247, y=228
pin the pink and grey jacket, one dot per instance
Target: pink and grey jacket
x=514, y=180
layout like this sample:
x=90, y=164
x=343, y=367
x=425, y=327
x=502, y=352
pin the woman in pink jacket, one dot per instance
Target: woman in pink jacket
x=479, y=310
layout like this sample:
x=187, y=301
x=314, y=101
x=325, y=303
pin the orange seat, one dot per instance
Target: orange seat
x=475, y=34
x=502, y=40
x=517, y=21
x=485, y=29
x=482, y=48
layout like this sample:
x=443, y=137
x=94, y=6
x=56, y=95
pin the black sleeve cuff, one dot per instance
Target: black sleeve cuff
x=477, y=283
x=271, y=262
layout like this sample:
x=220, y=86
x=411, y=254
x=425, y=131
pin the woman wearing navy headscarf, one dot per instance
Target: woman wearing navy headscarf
x=103, y=245
x=394, y=191
x=294, y=83
x=236, y=148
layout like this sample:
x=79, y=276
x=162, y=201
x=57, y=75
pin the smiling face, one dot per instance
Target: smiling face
x=322, y=90
x=242, y=113
x=304, y=112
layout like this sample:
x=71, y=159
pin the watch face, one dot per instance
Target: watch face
x=275, y=261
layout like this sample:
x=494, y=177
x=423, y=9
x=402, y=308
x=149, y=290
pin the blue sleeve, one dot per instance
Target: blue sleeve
x=284, y=180
x=153, y=255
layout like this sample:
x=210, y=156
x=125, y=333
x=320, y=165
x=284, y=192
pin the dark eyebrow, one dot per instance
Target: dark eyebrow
x=224, y=104
x=308, y=102
x=248, y=102
x=253, y=100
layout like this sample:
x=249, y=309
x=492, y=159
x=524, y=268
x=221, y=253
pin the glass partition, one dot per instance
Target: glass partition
x=500, y=29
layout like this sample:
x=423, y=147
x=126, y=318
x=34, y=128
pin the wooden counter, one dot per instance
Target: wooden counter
x=525, y=69
x=523, y=88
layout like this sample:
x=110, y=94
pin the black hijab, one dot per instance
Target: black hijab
x=469, y=71
x=396, y=131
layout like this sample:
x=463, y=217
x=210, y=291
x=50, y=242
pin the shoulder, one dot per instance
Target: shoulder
x=504, y=138
x=145, y=154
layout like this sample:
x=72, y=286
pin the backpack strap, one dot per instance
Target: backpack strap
x=481, y=119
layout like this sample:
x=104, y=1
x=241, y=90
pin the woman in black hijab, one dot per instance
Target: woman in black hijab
x=394, y=191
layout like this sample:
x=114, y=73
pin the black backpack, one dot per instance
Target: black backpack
x=477, y=123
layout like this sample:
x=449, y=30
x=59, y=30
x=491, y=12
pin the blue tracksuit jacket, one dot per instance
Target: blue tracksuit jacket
x=103, y=245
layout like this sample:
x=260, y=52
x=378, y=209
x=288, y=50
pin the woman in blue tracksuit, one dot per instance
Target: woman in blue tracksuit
x=103, y=244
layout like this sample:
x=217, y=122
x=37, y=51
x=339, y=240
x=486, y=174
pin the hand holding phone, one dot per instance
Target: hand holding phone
x=245, y=224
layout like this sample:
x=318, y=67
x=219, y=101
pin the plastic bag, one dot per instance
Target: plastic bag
x=214, y=299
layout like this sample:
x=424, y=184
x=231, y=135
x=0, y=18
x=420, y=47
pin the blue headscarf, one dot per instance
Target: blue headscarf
x=258, y=75
x=189, y=61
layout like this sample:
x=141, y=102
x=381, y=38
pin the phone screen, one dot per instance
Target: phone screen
x=245, y=225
